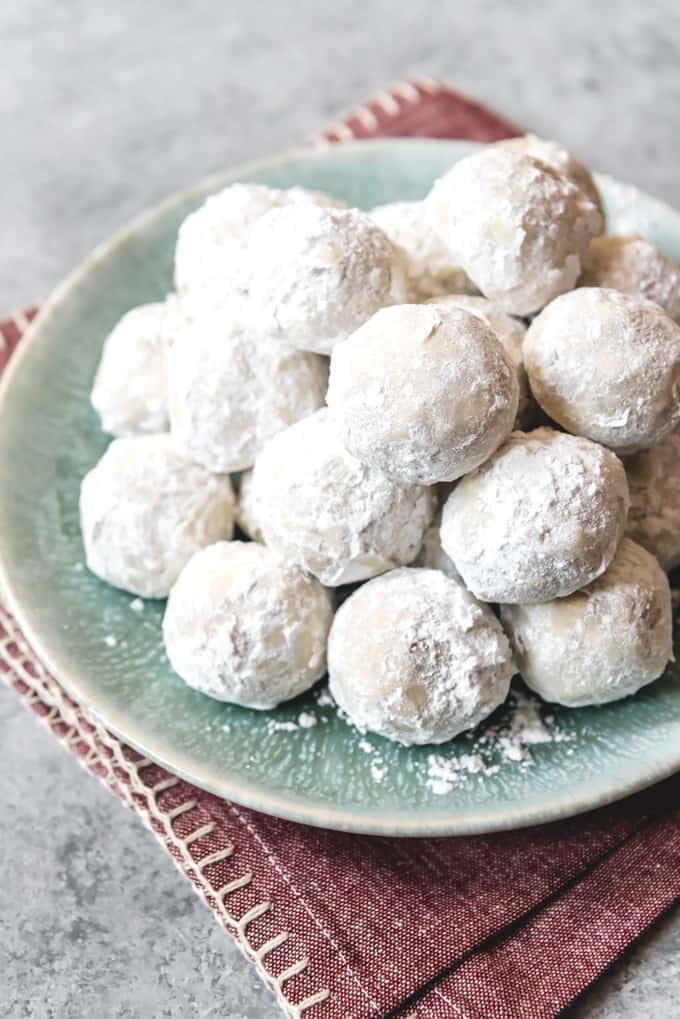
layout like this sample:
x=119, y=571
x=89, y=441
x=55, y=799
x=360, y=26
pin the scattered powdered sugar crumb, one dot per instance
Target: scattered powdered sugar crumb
x=274, y=726
x=324, y=699
x=367, y=747
x=110, y=640
x=137, y=605
x=443, y=773
x=306, y=720
x=507, y=742
x=78, y=567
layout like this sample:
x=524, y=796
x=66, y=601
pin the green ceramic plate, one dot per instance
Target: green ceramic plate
x=301, y=761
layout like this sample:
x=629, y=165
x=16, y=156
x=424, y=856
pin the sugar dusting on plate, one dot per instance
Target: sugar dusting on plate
x=508, y=742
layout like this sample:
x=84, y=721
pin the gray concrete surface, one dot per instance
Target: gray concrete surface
x=105, y=108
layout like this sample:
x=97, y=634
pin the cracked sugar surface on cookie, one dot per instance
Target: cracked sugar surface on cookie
x=509, y=331
x=315, y=275
x=430, y=269
x=602, y=643
x=607, y=366
x=334, y=516
x=144, y=511
x=557, y=156
x=518, y=228
x=541, y=518
x=425, y=393
x=244, y=626
x=633, y=266
x=416, y=658
x=231, y=388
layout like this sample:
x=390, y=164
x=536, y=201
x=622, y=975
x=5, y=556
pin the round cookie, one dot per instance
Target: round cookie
x=560, y=159
x=424, y=393
x=599, y=644
x=129, y=390
x=314, y=275
x=510, y=332
x=243, y=626
x=606, y=365
x=145, y=510
x=429, y=267
x=654, y=515
x=540, y=519
x=633, y=266
x=231, y=388
x=414, y=657
x=211, y=240
x=518, y=228
x=334, y=516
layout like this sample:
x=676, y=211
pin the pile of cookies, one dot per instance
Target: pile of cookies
x=469, y=406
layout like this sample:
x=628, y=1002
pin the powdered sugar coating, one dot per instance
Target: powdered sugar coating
x=541, y=518
x=211, y=240
x=654, y=516
x=243, y=626
x=633, y=266
x=129, y=390
x=429, y=267
x=606, y=365
x=559, y=158
x=599, y=644
x=422, y=392
x=510, y=332
x=145, y=510
x=231, y=388
x=517, y=227
x=414, y=657
x=315, y=275
x=334, y=516
x=245, y=512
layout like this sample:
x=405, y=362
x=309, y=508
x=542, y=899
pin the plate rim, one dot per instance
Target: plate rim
x=244, y=793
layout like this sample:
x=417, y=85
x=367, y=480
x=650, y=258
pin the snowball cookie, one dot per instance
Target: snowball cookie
x=541, y=518
x=601, y=643
x=510, y=331
x=558, y=158
x=654, y=515
x=211, y=240
x=145, y=510
x=245, y=512
x=315, y=275
x=633, y=266
x=429, y=267
x=129, y=391
x=243, y=626
x=423, y=392
x=334, y=516
x=414, y=657
x=517, y=227
x=231, y=387
x=606, y=365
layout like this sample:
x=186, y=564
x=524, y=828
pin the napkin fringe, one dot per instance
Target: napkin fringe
x=389, y=102
x=93, y=748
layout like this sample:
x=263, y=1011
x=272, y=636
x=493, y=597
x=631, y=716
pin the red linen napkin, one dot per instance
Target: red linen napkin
x=345, y=927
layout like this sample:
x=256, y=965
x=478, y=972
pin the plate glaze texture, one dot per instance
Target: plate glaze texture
x=301, y=761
